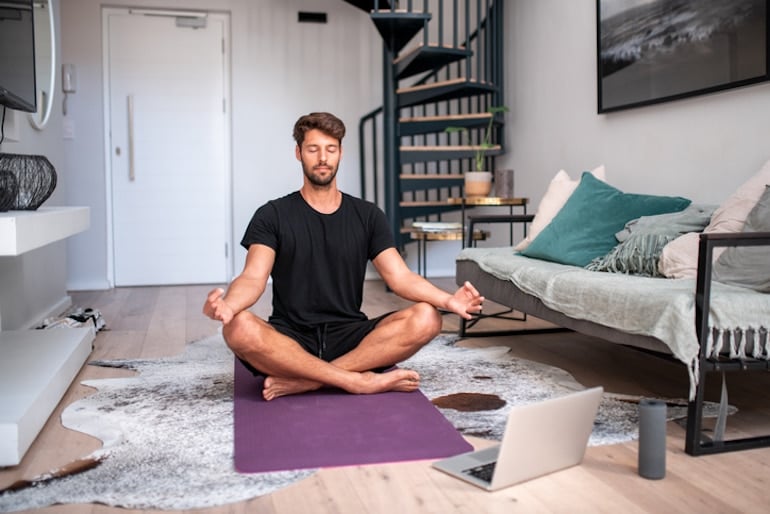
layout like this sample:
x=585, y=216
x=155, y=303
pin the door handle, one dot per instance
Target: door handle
x=130, y=106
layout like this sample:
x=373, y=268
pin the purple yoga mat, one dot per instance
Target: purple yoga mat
x=329, y=427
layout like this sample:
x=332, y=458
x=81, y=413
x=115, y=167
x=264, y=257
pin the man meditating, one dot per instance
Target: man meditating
x=316, y=243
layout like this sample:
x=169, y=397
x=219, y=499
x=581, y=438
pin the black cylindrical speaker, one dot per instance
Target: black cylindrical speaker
x=652, y=439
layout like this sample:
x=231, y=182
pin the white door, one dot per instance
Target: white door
x=166, y=100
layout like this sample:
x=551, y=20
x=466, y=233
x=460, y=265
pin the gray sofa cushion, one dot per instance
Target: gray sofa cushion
x=749, y=266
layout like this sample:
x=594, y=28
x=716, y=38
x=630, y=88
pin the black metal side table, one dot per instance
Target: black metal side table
x=493, y=201
x=511, y=219
x=422, y=236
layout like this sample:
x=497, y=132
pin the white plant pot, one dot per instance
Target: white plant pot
x=478, y=183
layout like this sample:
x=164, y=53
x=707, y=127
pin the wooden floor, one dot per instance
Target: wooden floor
x=158, y=321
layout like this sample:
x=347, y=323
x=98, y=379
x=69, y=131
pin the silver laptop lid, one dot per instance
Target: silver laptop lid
x=546, y=436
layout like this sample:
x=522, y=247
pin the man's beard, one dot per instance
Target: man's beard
x=316, y=179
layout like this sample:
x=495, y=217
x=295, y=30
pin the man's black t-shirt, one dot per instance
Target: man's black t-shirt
x=320, y=259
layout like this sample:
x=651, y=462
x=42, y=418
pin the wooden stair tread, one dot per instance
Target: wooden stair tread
x=431, y=176
x=444, y=90
x=447, y=117
x=417, y=125
x=438, y=85
x=426, y=203
x=415, y=154
x=420, y=47
x=450, y=148
x=427, y=57
x=412, y=182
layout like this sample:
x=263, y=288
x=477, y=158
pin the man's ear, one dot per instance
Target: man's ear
x=298, y=153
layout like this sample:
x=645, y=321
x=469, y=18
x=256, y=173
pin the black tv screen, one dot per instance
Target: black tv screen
x=17, y=55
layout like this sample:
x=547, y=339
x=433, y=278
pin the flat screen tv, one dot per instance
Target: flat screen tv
x=17, y=55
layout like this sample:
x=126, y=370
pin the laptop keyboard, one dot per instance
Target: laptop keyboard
x=483, y=472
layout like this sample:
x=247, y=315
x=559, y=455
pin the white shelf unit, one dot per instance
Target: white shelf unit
x=36, y=366
x=22, y=231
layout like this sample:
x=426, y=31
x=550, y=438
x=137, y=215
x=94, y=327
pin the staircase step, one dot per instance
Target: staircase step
x=368, y=5
x=419, y=182
x=427, y=58
x=398, y=27
x=434, y=124
x=417, y=209
x=428, y=203
x=445, y=90
x=414, y=154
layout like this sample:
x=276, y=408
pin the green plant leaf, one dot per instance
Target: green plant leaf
x=485, y=144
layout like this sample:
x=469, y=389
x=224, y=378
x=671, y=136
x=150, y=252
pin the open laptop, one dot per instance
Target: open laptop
x=539, y=438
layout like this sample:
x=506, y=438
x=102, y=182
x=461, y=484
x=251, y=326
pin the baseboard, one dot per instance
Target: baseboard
x=89, y=285
x=53, y=310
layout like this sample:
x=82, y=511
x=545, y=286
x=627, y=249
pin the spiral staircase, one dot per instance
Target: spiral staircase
x=442, y=67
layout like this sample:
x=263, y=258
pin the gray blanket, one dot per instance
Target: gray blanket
x=657, y=307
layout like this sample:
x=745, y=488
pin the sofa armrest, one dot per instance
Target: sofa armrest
x=708, y=241
x=736, y=238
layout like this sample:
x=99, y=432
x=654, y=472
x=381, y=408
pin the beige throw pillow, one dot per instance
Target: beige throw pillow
x=679, y=258
x=557, y=194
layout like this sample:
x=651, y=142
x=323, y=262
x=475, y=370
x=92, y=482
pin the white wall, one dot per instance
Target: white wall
x=280, y=70
x=35, y=282
x=702, y=148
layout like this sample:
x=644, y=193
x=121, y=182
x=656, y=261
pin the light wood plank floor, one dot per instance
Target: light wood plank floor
x=157, y=321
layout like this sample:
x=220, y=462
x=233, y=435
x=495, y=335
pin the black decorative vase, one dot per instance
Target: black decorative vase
x=35, y=179
x=9, y=188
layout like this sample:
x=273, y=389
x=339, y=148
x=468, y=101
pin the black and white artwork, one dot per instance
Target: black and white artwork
x=651, y=51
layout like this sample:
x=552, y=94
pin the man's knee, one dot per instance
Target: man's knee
x=426, y=321
x=243, y=332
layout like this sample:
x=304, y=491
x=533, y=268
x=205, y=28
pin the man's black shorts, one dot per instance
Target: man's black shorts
x=328, y=341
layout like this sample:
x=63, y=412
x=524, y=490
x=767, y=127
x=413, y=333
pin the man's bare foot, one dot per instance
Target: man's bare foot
x=276, y=386
x=402, y=380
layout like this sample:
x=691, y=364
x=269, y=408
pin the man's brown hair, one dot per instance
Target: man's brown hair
x=327, y=123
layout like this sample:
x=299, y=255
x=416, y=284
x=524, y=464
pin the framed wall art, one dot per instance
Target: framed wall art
x=651, y=51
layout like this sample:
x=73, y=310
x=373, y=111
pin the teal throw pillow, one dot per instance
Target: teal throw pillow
x=585, y=227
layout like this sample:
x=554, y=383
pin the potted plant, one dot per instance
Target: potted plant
x=479, y=181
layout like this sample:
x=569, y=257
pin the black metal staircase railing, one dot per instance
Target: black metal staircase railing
x=442, y=66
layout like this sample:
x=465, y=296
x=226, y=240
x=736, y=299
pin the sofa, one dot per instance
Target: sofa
x=685, y=281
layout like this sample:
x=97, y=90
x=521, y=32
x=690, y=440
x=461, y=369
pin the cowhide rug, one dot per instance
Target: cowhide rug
x=168, y=434
x=476, y=387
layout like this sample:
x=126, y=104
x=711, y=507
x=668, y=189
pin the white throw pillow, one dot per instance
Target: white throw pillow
x=557, y=194
x=679, y=258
